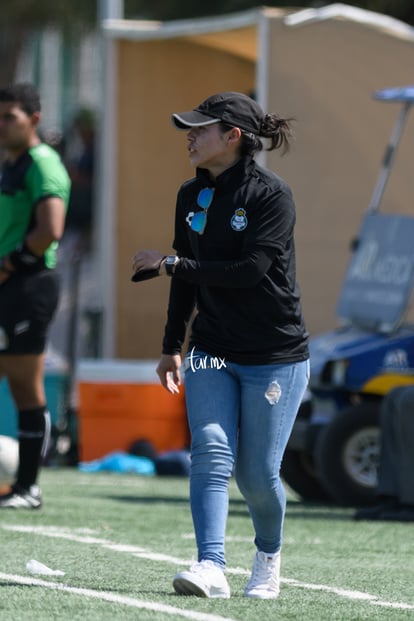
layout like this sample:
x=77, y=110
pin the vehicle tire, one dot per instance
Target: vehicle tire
x=298, y=470
x=347, y=455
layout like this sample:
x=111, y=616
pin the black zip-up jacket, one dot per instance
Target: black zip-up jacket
x=240, y=273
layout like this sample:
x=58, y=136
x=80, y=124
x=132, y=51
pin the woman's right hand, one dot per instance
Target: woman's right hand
x=168, y=370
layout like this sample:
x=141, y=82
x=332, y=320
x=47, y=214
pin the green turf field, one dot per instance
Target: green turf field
x=120, y=539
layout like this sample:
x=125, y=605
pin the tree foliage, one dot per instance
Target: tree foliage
x=35, y=13
x=76, y=13
x=171, y=9
x=18, y=18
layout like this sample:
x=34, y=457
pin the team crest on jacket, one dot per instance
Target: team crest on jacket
x=239, y=220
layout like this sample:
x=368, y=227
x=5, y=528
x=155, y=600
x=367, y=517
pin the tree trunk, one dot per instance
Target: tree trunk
x=11, y=45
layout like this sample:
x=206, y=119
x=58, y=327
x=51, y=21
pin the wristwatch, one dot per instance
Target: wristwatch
x=171, y=262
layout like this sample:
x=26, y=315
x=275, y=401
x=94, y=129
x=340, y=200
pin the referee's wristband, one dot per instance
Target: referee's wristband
x=24, y=260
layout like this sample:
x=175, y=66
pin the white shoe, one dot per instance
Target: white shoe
x=204, y=579
x=265, y=578
x=21, y=498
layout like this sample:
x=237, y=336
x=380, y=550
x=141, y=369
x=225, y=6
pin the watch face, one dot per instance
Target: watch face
x=170, y=260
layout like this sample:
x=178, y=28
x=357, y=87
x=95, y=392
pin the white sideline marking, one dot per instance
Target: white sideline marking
x=373, y=599
x=322, y=587
x=71, y=534
x=156, y=556
x=113, y=597
x=393, y=605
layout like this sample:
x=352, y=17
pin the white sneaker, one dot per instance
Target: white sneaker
x=264, y=581
x=21, y=498
x=204, y=579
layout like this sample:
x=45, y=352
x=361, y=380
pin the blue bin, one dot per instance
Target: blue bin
x=55, y=387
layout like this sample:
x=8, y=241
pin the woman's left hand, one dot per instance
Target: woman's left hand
x=147, y=260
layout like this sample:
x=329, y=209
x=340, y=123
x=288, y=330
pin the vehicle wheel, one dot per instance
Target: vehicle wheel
x=347, y=455
x=298, y=470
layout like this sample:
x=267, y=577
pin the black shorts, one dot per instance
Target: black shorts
x=27, y=305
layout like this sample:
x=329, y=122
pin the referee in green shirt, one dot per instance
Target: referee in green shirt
x=34, y=193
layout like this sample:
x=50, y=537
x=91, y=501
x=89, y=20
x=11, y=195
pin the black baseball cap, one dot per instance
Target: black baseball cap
x=234, y=109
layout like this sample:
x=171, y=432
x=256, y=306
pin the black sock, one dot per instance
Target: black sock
x=34, y=431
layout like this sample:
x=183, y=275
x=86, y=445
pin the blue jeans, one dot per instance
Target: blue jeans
x=240, y=418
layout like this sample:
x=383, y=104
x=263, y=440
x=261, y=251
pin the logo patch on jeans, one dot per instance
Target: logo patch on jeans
x=196, y=362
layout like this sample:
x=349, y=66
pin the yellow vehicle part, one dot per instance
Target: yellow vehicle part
x=381, y=384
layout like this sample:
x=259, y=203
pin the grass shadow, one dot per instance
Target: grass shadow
x=316, y=511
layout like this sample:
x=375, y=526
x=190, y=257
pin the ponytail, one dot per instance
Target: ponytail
x=279, y=131
x=273, y=127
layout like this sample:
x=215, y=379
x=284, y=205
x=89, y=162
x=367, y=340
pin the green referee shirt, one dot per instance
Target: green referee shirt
x=38, y=174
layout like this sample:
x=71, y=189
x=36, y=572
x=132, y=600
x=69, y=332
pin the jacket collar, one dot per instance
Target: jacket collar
x=231, y=178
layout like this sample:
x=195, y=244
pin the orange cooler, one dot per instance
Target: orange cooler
x=123, y=401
